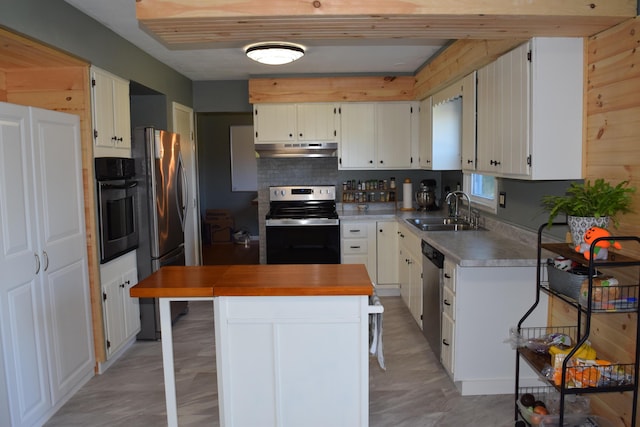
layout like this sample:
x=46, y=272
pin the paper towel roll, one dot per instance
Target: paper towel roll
x=407, y=196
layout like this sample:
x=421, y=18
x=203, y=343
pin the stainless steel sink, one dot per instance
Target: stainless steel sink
x=440, y=224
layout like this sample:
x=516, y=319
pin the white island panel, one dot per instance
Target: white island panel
x=292, y=361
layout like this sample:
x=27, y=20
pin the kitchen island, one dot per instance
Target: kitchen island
x=291, y=340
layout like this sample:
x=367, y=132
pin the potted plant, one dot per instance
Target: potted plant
x=587, y=205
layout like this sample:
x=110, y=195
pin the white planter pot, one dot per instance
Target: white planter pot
x=579, y=224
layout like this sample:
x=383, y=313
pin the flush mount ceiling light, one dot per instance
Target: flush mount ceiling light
x=274, y=53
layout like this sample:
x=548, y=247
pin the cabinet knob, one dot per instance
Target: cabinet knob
x=371, y=161
x=447, y=276
x=300, y=135
x=381, y=161
x=290, y=135
x=469, y=161
x=446, y=302
x=122, y=285
x=444, y=342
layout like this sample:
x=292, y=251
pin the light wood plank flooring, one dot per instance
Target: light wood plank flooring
x=414, y=391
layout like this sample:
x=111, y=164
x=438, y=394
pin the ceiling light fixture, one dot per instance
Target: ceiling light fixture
x=274, y=53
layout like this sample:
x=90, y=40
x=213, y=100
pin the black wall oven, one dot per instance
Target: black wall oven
x=303, y=226
x=117, y=191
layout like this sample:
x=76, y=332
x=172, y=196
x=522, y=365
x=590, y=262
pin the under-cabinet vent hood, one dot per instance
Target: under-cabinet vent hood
x=311, y=149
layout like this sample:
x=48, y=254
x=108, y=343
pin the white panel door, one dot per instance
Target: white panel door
x=316, y=122
x=183, y=125
x=357, y=144
x=274, y=123
x=393, y=135
x=58, y=171
x=103, y=109
x=23, y=338
x=131, y=305
x=114, y=314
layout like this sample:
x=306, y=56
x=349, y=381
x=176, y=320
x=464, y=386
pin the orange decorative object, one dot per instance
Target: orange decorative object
x=601, y=250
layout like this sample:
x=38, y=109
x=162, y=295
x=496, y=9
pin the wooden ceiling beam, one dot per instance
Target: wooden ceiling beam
x=185, y=24
x=180, y=9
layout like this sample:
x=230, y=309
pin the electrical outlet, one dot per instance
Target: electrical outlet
x=502, y=199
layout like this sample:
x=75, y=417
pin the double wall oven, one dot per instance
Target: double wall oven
x=117, y=192
x=302, y=225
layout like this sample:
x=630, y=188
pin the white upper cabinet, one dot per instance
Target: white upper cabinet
x=358, y=145
x=312, y=122
x=394, y=134
x=446, y=129
x=317, y=122
x=111, y=114
x=274, y=123
x=425, y=134
x=469, y=122
x=530, y=104
x=380, y=135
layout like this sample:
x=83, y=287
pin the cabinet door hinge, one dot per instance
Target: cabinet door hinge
x=93, y=82
x=108, y=344
x=411, y=110
x=340, y=160
x=104, y=296
x=335, y=132
x=529, y=160
x=255, y=111
x=529, y=56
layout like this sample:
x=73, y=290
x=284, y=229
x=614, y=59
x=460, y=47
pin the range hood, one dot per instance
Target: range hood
x=311, y=149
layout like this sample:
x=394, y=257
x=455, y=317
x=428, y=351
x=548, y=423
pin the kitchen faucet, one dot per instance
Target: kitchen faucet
x=454, y=195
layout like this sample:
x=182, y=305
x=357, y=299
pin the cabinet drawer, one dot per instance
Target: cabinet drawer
x=355, y=246
x=351, y=231
x=448, y=303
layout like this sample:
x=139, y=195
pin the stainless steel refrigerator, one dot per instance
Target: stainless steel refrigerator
x=161, y=214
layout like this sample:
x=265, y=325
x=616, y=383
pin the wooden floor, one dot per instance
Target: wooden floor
x=414, y=391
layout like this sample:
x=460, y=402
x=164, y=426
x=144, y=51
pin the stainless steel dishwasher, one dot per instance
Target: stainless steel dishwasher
x=432, y=296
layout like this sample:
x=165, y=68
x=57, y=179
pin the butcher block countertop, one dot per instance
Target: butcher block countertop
x=255, y=280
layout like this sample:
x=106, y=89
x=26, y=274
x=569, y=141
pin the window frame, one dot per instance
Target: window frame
x=481, y=203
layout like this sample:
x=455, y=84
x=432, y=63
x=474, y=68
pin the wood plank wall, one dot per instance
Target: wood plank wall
x=613, y=152
x=41, y=76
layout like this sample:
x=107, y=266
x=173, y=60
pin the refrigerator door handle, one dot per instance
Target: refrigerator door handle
x=182, y=204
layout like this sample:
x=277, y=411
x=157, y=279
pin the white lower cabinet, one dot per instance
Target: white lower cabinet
x=410, y=271
x=484, y=302
x=358, y=240
x=386, y=250
x=121, y=312
x=293, y=361
x=374, y=244
x=46, y=338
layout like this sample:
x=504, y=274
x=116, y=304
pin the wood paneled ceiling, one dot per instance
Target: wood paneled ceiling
x=185, y=24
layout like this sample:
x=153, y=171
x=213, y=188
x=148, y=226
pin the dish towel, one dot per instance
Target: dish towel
x=375, y=330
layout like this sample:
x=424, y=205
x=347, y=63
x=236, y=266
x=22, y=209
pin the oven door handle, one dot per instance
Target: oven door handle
x=127, y=185
x=301, y=222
